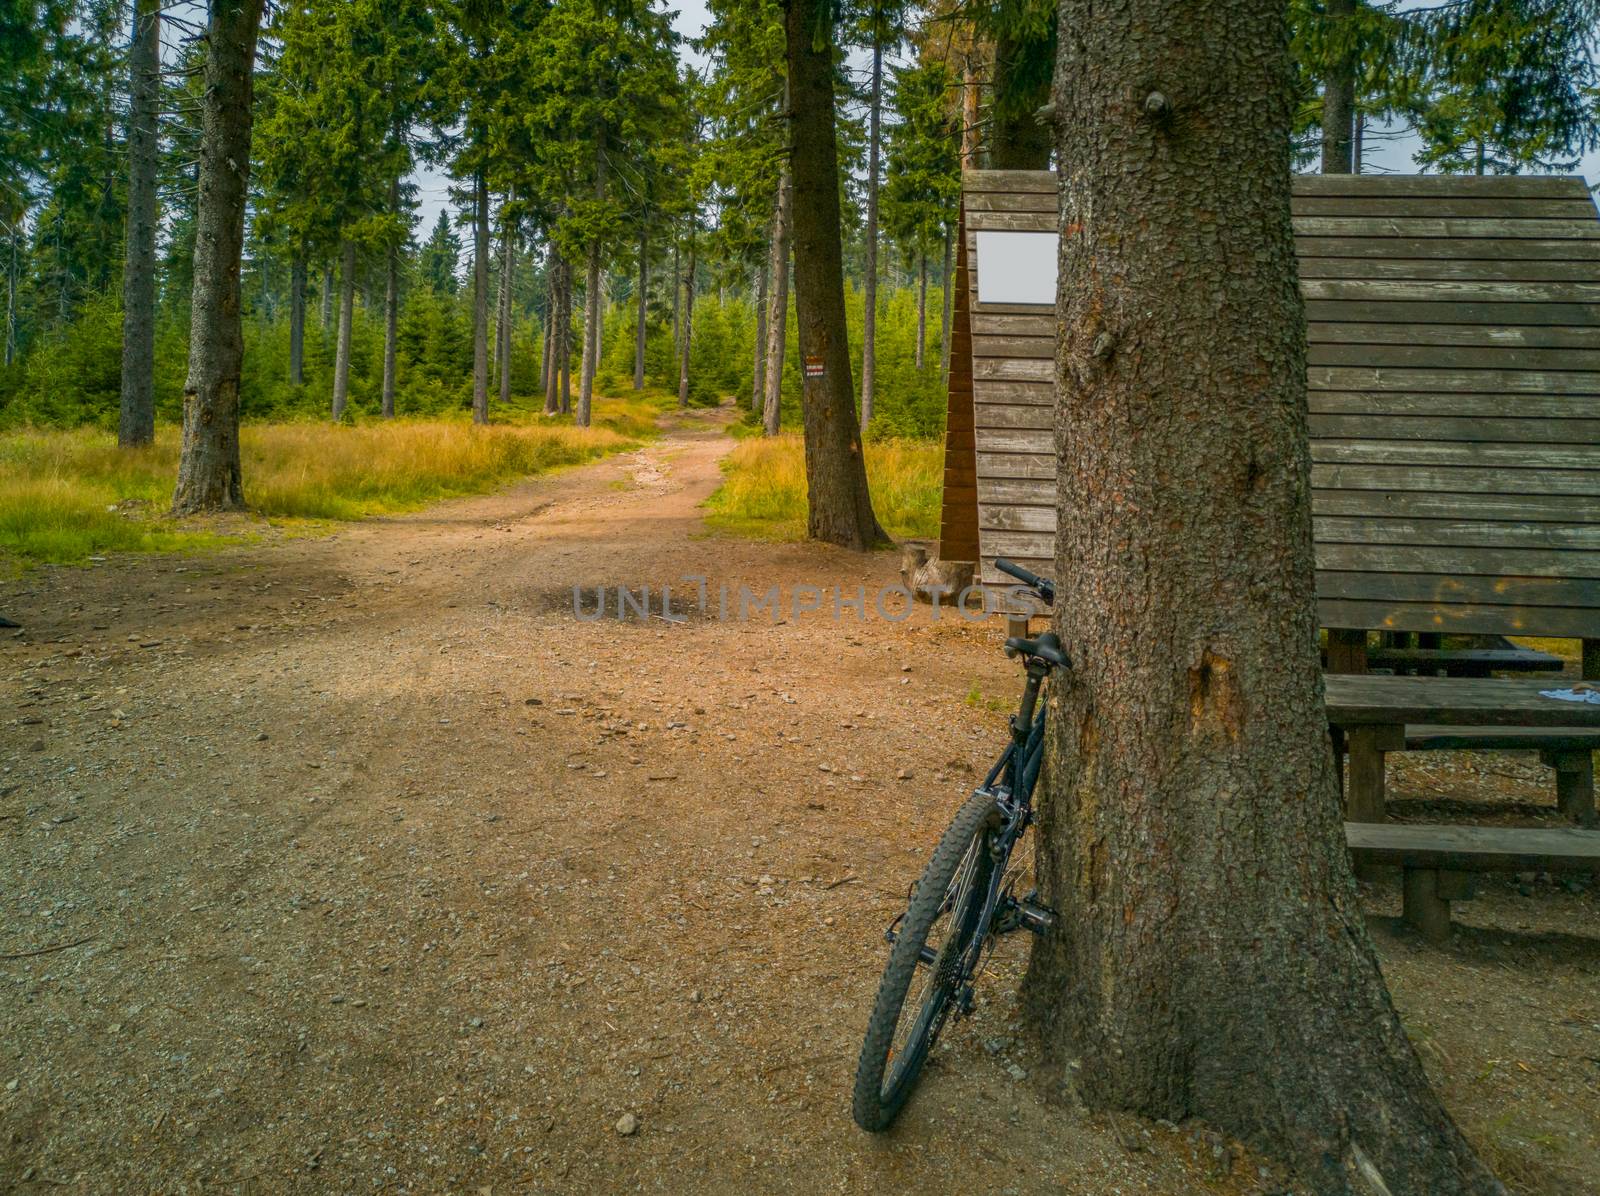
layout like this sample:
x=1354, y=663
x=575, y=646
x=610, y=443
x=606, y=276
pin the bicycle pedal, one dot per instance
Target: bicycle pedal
x=1032, y=916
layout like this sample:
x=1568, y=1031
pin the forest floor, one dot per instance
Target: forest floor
x=360, y=864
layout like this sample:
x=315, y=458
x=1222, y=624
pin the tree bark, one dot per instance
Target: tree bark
x=969, y=115
x=327, y=297
x=297, y=320
x=778, y=315
x=836, y=475
x=480, y=300
x=137, y=423
x=948, y=283
x=869, y=282
x=688, y=322
x=641, y=326
x=503, y=330
x=208, y=465
x=1339, y=95
x=759, y=367
x=1211, y=958
x=347, y=311
x=677, y=313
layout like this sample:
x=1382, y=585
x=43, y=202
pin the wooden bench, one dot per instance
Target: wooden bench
x=1439, y=862
x=1370, y=716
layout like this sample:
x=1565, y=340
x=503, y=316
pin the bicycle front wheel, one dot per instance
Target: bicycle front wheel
x=934, y=936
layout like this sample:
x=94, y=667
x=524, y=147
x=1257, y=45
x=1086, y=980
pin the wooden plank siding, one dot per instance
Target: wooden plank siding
x=1453, y=378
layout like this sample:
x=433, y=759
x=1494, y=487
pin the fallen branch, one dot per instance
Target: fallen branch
x=48, y=950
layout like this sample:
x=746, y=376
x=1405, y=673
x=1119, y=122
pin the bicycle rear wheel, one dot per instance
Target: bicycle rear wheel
x=937, y=929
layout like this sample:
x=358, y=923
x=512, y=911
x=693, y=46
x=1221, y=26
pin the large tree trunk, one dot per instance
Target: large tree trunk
x=1211, y=959
x=508, y=266
x=1339, y=97
x=347, y=311
x=297, y=320
x=778, y=315
x=758, y=371
x=641, y=325
x=480, y=300
x=208, y=467
x=137, y=424
x=688, y=322
x=948, y=283
x=869, y=315
x=836, y=473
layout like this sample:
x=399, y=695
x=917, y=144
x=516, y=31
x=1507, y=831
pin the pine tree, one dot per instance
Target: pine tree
x=137, y=424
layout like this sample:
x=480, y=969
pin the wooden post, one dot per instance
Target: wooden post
x=1591, y=660
x=1364, y=787
x=1426, y=896
x=1574, y=783
x=1347, y=651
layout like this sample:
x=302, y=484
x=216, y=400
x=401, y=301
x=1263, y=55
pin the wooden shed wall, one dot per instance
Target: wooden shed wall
x=1454, y=390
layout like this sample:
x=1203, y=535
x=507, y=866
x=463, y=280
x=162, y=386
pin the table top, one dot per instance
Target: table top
x=1357, y=699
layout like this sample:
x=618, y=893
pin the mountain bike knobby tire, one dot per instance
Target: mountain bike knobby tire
x=943, y=917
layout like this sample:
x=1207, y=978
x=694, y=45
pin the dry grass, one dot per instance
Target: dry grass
x=66, y=495
x=764, y=492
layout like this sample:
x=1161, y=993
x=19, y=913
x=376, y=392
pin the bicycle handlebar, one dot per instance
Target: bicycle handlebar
x=1046, y=587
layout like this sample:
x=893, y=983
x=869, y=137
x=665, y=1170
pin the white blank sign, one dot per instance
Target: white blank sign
x=1017, y=268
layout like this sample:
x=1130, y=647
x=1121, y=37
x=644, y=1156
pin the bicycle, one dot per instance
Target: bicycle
x=963, y=900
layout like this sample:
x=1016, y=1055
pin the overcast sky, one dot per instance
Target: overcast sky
x=1385, y=151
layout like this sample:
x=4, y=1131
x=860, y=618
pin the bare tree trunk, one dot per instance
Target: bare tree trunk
x=137, y=423
x=836, y=475
x=677, y=293
x=969, y=115
x=869, y=327
x=759, y=370
x=1339, y=98
x=347, y=305
x=591, y=334
x=480, y=300
x=327, y=298
x=508, y=266
x=565, y=335
x=922, y=306
x=11, y=297
x=688, y=321
x=1211, y=959
x=208, y=466
x=297, y=320
x=553, y=306
x=778, y=316
x=391, y=312
x=641, y=326
x=945, y=309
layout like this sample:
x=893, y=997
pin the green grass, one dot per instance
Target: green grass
x=763, y=494
x=69, y=495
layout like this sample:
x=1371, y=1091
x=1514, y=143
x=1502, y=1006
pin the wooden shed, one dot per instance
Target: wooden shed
x=1454, y=382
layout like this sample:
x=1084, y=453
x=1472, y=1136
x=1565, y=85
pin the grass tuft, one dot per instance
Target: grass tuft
x=763, y=494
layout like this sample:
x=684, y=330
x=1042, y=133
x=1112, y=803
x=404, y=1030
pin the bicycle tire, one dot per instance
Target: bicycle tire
x=877, y=1101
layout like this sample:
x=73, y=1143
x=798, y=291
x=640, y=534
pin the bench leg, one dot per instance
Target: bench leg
x=1364, y=789
x=1426, y=897
x=1574, y=784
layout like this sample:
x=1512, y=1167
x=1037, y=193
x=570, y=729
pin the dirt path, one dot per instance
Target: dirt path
x=385, y=872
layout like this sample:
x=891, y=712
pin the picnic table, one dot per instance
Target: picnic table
x=1369, y=715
